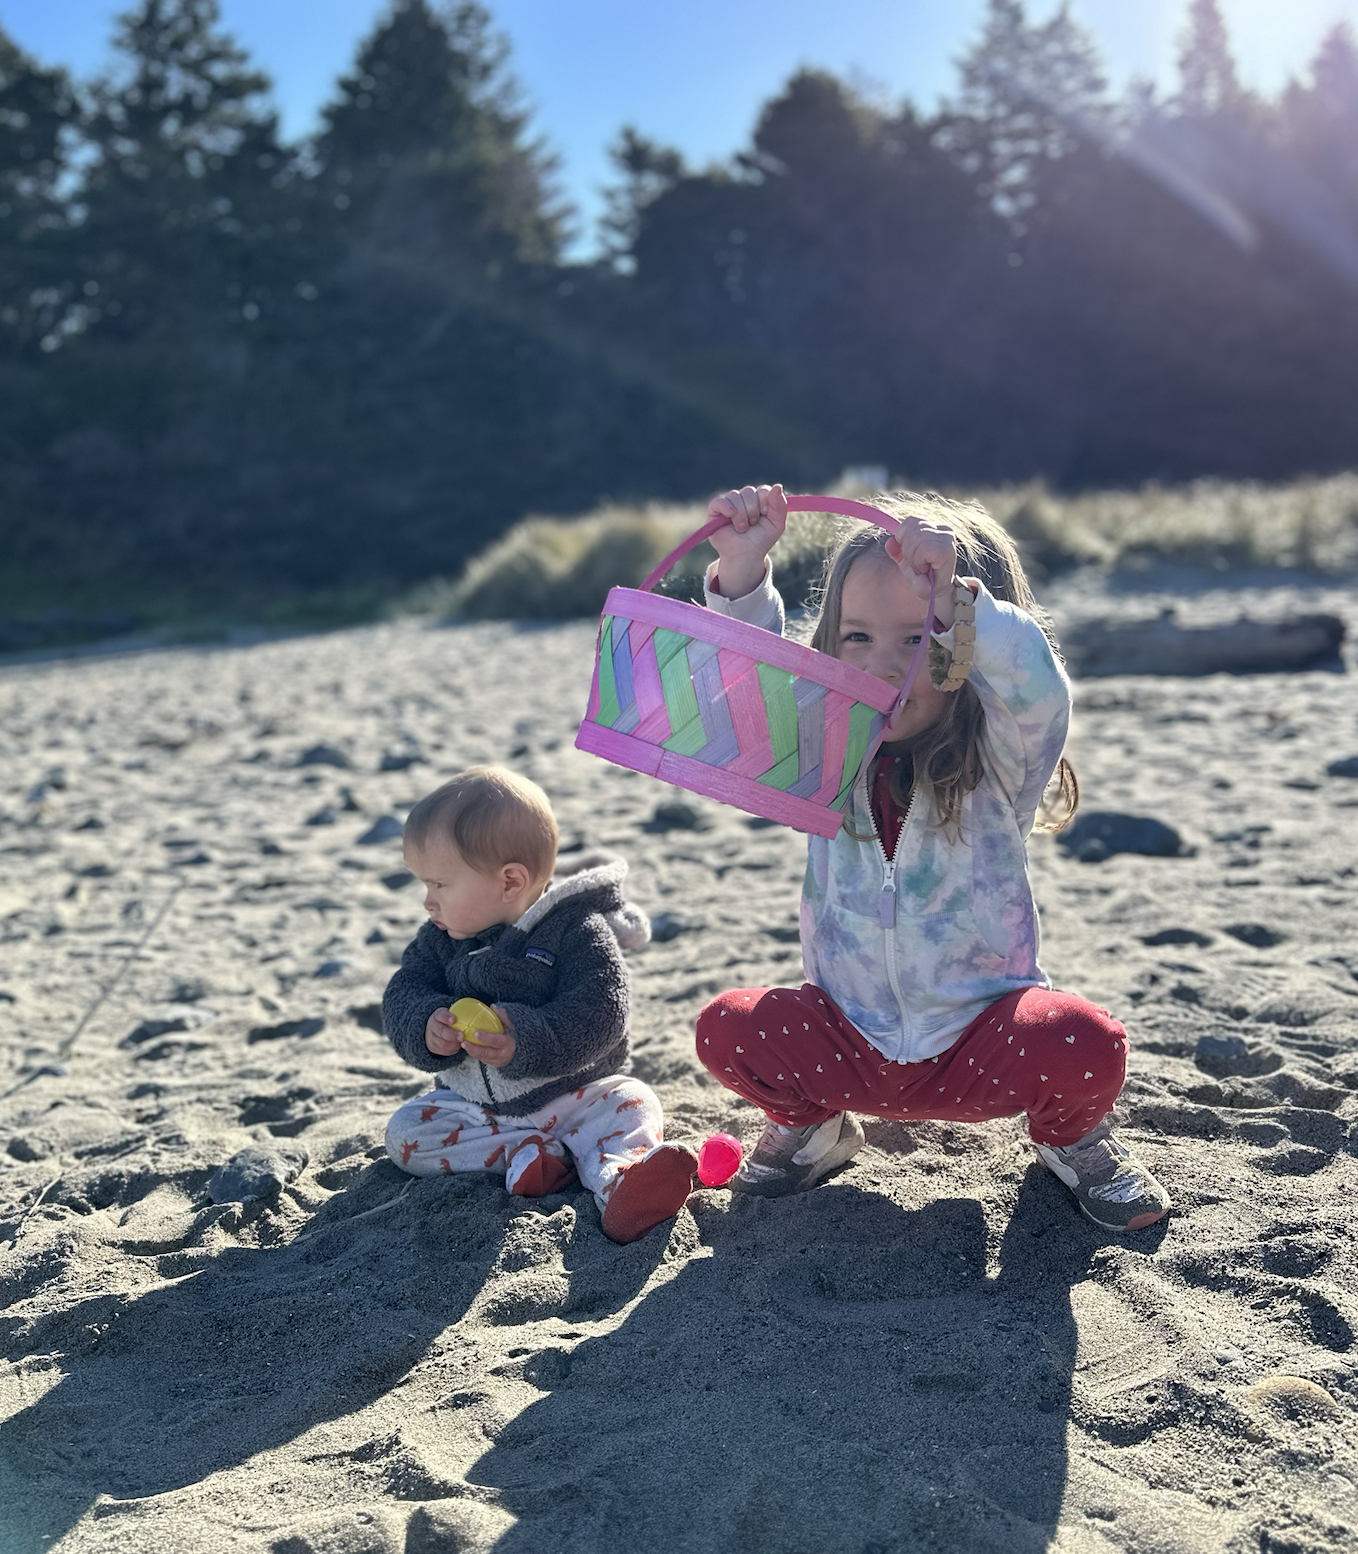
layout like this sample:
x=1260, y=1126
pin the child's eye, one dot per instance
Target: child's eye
x=912, y=641
x=855, y=636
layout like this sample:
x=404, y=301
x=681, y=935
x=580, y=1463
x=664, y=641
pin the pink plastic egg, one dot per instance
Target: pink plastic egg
x=719, y=1160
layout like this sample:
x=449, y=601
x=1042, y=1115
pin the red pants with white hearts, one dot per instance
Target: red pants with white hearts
x=790, y=1051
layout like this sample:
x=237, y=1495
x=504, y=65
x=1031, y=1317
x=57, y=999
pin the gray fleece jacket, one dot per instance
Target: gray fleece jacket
x=557, y=972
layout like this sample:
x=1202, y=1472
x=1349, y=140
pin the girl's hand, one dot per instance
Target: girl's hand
x=756, y=517
x=921, y=544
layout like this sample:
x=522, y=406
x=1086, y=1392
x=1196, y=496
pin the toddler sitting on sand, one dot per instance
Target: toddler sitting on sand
x=548, y=1097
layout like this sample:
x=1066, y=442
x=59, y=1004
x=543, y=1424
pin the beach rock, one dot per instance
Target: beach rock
x=256, y=1172
x=1221, y=1055
x=28, y=1147
x=149, y=1029
x=1256, y=935
x=1295, y=1399
x=676, y=815
x=400, y=761
x=332, y=968
x=1177, y=936
x=325, y=755
x=669, y=925
x=1101, y=834
x=303, y=1028
x=1347, y=766
x=386, y=828
x=323, y=817
x=399, y=880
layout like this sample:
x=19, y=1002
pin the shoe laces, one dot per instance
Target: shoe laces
x=1100, y=1152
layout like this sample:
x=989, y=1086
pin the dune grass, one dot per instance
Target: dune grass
x=1306, y=526
x=554, y=568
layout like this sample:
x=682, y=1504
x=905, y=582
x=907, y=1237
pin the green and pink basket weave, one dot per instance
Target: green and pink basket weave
x=733, y=712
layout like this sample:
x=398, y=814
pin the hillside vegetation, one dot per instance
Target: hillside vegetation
x=245, y=377
x=555, y=568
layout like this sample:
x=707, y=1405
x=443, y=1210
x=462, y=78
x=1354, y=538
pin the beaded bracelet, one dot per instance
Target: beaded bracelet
x=950, y=674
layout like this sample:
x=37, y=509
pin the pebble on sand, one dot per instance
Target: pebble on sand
x=386, y=828
x=256, y=1172
x=676, y=815
x=669, y=925
x=1102, y=833
x=303, y=1028
x=324, y=755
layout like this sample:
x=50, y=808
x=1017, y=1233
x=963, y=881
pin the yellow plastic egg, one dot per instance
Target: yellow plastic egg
x=471, y=1016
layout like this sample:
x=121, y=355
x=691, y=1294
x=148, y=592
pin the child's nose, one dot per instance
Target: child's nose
x=886, y=664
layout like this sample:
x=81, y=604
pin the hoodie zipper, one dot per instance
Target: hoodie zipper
x=886, y=902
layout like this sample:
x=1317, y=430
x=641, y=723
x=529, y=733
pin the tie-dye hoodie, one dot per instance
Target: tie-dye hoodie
x=914, y=947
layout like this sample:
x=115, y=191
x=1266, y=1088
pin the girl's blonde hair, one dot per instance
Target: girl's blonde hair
x=948, y=755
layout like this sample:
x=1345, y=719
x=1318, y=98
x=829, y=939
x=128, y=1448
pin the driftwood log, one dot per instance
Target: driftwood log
x=1243, y=646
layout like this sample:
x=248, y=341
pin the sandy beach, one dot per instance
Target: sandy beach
x=932, y=1351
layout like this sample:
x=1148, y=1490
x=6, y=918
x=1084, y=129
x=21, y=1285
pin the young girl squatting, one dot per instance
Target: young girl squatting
x=924, y=996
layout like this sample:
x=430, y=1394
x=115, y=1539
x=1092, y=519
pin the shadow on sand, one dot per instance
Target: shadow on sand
x=198, y=1375
x=840, y=1374
x=825, y=1374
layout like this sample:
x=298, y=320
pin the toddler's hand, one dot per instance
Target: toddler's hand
x=919, y=545
x=756, y=517
x=441, y=1036
x=495, y=1050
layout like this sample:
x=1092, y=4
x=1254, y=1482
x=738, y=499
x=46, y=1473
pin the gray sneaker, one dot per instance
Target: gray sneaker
x=787, y=1160
x=1110, y=1184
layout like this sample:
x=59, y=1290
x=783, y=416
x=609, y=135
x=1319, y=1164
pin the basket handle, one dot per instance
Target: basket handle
x=795, y=504
x=810, y=503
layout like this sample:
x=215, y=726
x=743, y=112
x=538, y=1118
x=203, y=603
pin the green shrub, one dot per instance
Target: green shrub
x=1309, y=525
x=556, y=568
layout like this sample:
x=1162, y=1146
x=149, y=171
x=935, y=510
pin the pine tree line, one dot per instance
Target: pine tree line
x=237, y=369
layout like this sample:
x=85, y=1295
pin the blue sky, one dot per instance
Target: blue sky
x=690, y=74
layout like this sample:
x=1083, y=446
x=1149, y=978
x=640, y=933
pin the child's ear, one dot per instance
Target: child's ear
x=514, y=880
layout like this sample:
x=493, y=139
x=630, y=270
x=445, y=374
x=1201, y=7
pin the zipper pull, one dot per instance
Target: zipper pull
x=886, y=905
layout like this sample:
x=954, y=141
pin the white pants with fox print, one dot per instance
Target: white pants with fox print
x=604, y=1128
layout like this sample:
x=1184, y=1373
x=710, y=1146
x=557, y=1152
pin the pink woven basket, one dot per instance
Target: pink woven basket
x=735, y=713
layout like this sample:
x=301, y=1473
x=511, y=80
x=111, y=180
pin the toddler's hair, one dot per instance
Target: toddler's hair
x=947, y=756
x=493, y=817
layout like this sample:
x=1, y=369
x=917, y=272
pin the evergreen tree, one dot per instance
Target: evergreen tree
x=181, y=200
x=820, y=281
x=1029, y=92
x=38, y=301
x=424, y=157
x=648, y=170
x=1320, y=120
x=1208, y=80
